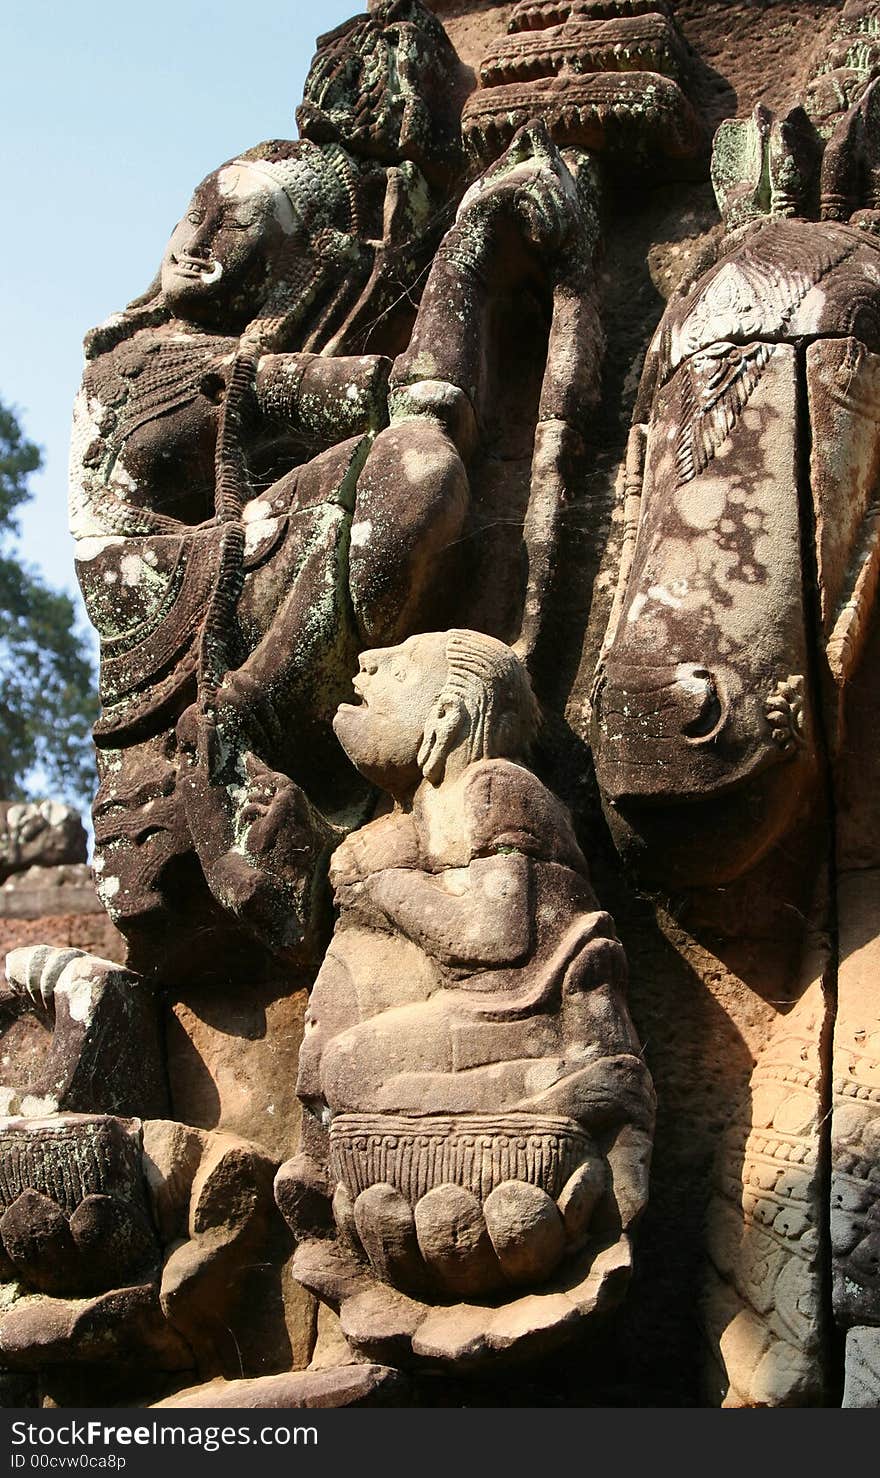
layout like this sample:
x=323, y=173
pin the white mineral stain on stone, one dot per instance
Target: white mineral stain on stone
x=686, y=678
x=665, y=598
x=637, y=606
x=108, y=887
x=33, y=1106
x=360, y=533
x=132, y=567
x=80, y=999
x=120, y=478
x=256, y=531
x=256, y=511
x=89, y=548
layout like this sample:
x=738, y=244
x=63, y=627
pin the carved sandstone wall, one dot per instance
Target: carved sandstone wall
x=502, y=351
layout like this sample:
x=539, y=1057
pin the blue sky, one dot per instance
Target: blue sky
x=110, y=114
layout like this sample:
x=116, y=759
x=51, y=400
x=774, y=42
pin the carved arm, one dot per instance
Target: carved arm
x=529, y=194
x=325, y=399
x=475, y=915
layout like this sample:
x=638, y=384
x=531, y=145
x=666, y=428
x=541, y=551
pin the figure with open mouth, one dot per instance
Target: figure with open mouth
x=476, y=1109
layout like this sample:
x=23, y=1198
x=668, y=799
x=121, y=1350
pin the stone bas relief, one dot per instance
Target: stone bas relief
x=532, y=390
x=253, y=502
x=226, y=543
x=739, y=629
x=477, y=1113
x=47, y=834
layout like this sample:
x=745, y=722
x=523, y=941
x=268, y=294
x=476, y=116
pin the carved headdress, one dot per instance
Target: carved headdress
x=325, y=249
x=486, y=706
x=387, y=85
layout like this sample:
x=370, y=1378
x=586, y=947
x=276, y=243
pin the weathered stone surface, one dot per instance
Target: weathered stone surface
x=454, y=1241
x=855, y=1105
x=93, y=933
x=331, y=1347
x=381, y=387
x=123, y=1327
x=45, y=834
x=526, y=1230
x=229, y=1061
x=603, y=81
x=221, y=623
x=764, y=1302
x=73, y=1208
x=699, y=698
x=223, y=1285
x=342, y=1385
x=862, y=1378
x=467, y=1042
x=100, y=1050
x=386, y=1228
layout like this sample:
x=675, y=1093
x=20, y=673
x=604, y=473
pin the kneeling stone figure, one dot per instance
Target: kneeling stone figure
x=477, y=1113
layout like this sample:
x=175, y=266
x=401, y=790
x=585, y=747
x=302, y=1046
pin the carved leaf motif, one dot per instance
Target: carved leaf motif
x=753, y=297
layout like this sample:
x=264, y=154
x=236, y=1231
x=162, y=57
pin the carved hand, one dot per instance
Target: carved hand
x=530, y=183
x=388, y=842
x=474, y=915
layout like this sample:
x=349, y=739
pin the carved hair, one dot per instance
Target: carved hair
x=486, y=708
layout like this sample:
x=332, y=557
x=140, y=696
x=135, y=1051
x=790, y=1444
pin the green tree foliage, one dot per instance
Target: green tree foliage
x=47, y=678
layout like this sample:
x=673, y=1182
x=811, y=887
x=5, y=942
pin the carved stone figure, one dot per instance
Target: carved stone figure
x=47, y=834
x=493, y=387
x=703, y=692
x=476, y=1107
x=229, y=597
x=196, y=555
x=750, y=551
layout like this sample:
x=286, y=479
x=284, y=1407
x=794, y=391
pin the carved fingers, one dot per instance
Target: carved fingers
x=34, y=970
x=531, y=184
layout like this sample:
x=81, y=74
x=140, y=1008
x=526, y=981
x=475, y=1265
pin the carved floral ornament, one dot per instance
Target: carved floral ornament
x=364, y=431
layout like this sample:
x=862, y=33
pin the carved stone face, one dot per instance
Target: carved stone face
x=398, y=688
x=219, y=256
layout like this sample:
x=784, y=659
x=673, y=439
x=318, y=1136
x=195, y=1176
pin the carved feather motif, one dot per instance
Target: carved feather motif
x=753, y=297
x=716, y=389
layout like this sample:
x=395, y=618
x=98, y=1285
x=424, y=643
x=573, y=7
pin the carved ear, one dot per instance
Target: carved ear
x=441, y=731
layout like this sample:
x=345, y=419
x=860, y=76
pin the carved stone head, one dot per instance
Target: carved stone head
x=387, y=85
x=438, y=695
x=245, y=222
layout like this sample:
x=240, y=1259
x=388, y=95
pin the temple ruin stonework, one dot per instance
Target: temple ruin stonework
x=480, y=517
